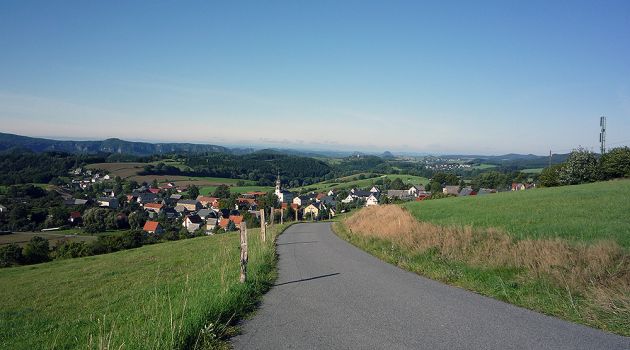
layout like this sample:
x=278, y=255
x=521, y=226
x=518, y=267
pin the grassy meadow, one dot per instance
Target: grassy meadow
x=182, y=294
x=208, y=190
x=587, y=213
x=587, y=283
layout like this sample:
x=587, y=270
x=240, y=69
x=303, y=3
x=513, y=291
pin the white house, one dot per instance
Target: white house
x=348, y=199
x=283, y=195
x=192, y=222
x=372, y=200
x=375, y=189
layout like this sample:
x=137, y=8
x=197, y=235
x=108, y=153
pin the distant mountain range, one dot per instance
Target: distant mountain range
x=8, y=141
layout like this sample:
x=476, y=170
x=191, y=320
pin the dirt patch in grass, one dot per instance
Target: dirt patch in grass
x=597, y=272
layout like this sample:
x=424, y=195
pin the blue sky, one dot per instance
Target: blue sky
x=439, y=77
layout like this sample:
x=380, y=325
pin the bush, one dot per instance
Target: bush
x=36, y=251
x=550, y=176
x=67, y=250
x=616, y=163
x=10, y=255
x=581, y=167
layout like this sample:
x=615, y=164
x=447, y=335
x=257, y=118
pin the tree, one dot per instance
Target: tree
x=222, y=191
x=10, y=255
x=137, y=219
x=616, y=163
x=36, y=251
x=94, y=220
x=436, y=187
x=398, y=184
x=490, y=179
x=446, y=179
x=155, y=184
x=550, y=176
x=580, y=167
x=193, y=191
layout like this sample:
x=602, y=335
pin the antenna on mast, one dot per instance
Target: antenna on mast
x=602, y=134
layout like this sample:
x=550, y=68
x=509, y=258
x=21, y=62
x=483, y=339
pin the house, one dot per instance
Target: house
x=256, y=194
x=416, y=190
x=328, y=201
x=375, y=189
x=518, y=186
x=109, y=192
x=154, y=207
x=451, y=190
x=236, y=219
x=75, y=201
x=372, y=200
x=283, y=195
x=181, y=210
x=301, y=200
x=212, y=220
x=189, y=204
x=108, y=202
x=175, y=197
x=204, y=213
x=484, y=191
x=145, y=197
x=466, y=191
x=312, y=210
x=170, y=213
x=399, y=194
x=331, y=193
x=154, y=190
x=247, y=203
x=75, y=218
x=192, y=222
x=208, y=201
x=359, y=194
x=348, y=199
x=153, y=227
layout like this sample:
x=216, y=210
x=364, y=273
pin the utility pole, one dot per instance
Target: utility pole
x=602, y=134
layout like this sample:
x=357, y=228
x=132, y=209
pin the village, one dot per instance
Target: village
x=209, y=214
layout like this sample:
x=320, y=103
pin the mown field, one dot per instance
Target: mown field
x=208, y=190
x=353, y=181
x=21, y=238
x=581, y=213
x=129, y=171
x=178, y=294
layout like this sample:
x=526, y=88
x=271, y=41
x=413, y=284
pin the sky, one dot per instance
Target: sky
x=472, y=77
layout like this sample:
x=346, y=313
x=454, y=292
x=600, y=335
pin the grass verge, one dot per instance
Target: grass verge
x=579, y=282
x=182, y=294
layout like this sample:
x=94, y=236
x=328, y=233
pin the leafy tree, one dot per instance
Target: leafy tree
x=550, y=176
x=222, y=191
x=137, y=219
x=580, y=167
x=10, y=255
x=193, y=191
x=616, y=163
x=94, y=220
x=490, y=179
x=446, y=179
x=398, y=184
x=435, y=186
x=36, y=250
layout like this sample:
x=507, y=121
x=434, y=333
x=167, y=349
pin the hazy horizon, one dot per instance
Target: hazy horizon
x=457, y=78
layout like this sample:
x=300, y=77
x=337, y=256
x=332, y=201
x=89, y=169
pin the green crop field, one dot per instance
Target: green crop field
x=349, y=182
x=208, y=190
x=484, y=166
x=154, y=297
x=532, y=171
x=583, y=213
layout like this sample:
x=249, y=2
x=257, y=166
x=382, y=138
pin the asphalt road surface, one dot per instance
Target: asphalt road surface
x=331, y=295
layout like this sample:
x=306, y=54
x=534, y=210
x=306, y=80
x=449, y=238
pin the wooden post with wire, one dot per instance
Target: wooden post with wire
x=263, y=226
x=271, y=217
x=281, y=216
x=244, y=257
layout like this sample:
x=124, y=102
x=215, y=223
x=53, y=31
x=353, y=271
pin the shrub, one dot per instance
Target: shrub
x=581, y=167
x=616, y=163
x=67, y=250
x=36, y=251
x=550, y=176
x=10, y=255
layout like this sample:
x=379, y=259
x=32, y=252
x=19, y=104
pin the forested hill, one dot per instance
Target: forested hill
x=8, y=141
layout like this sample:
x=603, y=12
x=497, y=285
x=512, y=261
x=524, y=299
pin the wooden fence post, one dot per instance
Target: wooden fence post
x=244, y=257
x=263, y=226
x=281, y=216
x=271, y=217
x=296, y=214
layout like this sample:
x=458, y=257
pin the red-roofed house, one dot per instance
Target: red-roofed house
x=212, y=202
x=154, y=190
x=153, y=227
x=75, y=217
x=154, y=207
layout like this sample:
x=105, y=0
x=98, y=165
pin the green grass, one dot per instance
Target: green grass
x=208, y=190
x=484, y=166
x=532, y=171
x=349, y=182
x=587, y=212
x=154, y=297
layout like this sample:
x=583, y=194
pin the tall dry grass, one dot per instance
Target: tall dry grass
x=600, y=271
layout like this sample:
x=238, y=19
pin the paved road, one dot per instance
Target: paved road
x=331, y=295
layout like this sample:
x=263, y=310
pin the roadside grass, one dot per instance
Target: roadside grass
x=587, y=283
x=348, y=182
x=585, y=213
x=182, y=294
